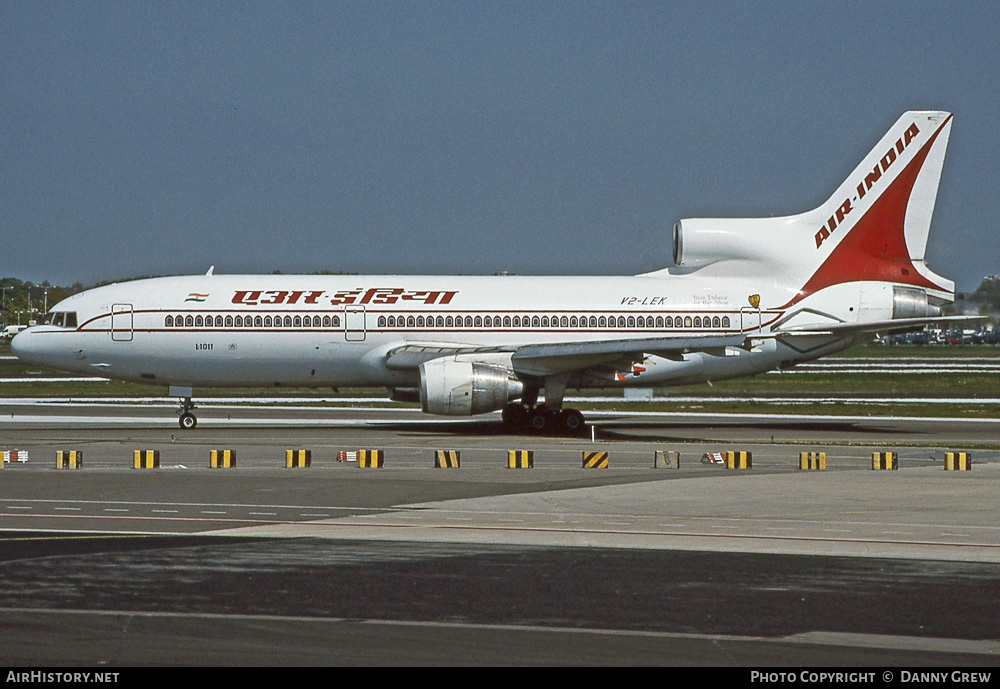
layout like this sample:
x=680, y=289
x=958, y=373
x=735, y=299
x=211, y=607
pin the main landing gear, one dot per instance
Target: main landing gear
x=542, y=419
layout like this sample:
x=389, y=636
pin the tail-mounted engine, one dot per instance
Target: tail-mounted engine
x=699, y=242
x=910, y=302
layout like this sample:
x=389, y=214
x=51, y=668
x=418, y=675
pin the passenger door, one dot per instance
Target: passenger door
x=121, y=322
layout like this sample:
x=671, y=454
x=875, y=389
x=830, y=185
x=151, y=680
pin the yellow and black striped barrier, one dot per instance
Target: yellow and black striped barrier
x=812, y=461
x=520, y=459
x=739, y=460
x=447, y=459
x=371, y=459
x=69, y=459
x=957, y=461
x=145, y=459
x=298, y=459
x=595, y=460
x=221, y=459
x=885, y=461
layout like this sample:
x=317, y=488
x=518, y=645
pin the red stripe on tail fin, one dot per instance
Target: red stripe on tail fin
x=875, y=247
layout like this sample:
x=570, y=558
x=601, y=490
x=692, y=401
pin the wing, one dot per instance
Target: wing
x=566, y=357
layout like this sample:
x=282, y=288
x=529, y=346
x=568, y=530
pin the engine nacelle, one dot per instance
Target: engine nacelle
x=699, y=242
x=462, y=388
x=882, y=301
x=910, y=302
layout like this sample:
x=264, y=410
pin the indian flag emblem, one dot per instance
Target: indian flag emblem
x=194, y=296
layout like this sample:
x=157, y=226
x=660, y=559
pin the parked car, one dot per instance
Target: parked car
x=11, y=330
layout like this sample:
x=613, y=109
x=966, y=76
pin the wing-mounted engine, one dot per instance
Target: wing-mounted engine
x=450, y=386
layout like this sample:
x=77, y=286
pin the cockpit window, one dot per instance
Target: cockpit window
x=60, y=319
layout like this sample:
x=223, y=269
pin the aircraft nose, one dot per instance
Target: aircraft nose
x=26, y=348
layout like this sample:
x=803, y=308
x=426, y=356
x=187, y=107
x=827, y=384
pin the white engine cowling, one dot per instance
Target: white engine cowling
x=462, y=388
x=699, y=242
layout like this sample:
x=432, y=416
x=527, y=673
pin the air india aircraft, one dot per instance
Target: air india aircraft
x=744, y=296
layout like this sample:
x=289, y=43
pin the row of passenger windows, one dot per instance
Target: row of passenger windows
x=252, y=322
x=504, y=322
x=452, y=322
x=553, y=322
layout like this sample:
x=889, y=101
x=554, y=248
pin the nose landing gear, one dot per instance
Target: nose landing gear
x=186, y=419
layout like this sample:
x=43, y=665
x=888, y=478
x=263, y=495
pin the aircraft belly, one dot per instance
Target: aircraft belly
x=239, y=360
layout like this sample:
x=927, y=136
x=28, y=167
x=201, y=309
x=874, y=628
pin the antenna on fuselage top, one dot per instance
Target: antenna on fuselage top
x=211, y=270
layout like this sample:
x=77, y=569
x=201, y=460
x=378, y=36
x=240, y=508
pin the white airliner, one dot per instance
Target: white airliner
x=744, y=296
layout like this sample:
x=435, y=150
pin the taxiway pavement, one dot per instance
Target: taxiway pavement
x=632, y=564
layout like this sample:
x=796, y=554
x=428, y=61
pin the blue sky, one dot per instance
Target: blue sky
x=145, y=138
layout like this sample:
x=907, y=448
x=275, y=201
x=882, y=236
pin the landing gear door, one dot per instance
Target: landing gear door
x=354, y=323
x=749, y=319
x=121, y=322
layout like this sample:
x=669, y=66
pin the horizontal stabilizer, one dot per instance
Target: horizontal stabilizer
x=876, y=326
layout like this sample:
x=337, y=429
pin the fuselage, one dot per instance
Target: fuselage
x=320, y=331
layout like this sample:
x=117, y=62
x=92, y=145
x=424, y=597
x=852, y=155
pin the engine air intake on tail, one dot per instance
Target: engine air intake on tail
x=699, y=242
